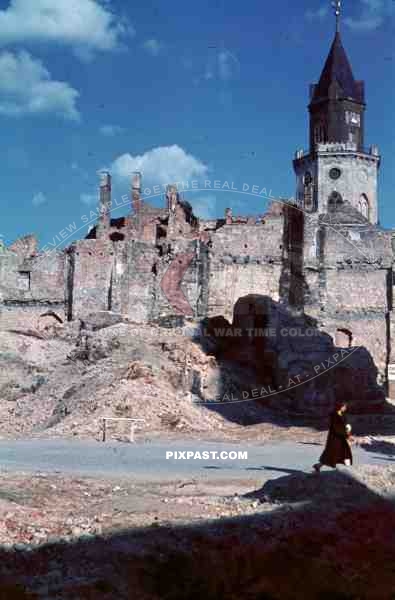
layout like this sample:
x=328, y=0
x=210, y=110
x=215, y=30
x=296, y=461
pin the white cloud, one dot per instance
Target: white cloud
x=153, y=46
x=203, y=206
x=89, y=199
x=228, y=65
x=85, y=25
x=223, y=66
x=160, y=166
x=364, y=24
x=317, y=14
x=373, y=15
x=111, y=130
x=26, y=88
x=39, y=199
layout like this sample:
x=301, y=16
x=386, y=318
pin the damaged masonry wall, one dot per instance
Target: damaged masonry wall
x=134, y=264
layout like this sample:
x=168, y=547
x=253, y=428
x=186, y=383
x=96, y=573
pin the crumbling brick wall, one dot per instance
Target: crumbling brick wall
x=348, y=272
x=91, y=263
x=244, y=259
x=30, y=283
x=163, y=262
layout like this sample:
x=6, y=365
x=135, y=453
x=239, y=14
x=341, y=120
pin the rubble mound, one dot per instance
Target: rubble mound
x=296, y=363
x=341, y=484
x=65, y=384
x=187, y=378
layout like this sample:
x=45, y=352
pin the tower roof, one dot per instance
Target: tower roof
x=337, y=75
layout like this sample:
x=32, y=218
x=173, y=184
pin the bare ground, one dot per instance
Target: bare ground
x=300, y=536
x=64, y=537
x=63, y=384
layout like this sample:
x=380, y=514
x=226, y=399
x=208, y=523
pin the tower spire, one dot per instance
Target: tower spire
x=337, y=5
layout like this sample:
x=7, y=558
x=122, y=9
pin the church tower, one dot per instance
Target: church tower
x=337, y=167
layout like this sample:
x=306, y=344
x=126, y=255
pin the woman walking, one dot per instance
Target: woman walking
x=337, y=449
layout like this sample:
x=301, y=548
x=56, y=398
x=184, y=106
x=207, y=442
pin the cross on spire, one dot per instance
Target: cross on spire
x=337, y=5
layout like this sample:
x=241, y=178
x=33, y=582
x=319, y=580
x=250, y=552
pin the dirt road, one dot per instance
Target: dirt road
x=148, y=460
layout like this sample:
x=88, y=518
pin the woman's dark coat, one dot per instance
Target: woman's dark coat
x=337, y=448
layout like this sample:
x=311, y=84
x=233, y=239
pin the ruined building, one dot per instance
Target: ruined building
x=322, y=255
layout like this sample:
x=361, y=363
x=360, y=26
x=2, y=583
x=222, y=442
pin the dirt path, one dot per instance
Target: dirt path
x=147, y=461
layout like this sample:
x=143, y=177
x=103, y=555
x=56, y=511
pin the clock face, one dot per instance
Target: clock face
x=335, y=173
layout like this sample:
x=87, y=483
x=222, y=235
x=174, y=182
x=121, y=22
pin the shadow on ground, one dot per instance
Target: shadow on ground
x=278, y=366
x=380, y=447
x=329, y=538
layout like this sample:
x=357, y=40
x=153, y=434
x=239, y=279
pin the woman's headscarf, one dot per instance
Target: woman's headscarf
x=339, y=404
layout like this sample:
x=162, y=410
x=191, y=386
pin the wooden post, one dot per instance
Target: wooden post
x=185, y=378
x=133, y=425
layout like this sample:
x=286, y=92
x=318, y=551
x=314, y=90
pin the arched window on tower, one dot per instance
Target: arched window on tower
x=334, y=201
x=308, y=191
x=319, y=243
x=320, y=133
x=363, y=206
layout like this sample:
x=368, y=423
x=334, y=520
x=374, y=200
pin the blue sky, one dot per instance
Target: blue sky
x=181, y=90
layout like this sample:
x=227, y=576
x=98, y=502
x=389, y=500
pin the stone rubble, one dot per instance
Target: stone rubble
x=37, y=509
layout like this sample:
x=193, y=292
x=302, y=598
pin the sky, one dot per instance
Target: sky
x=182, y=91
